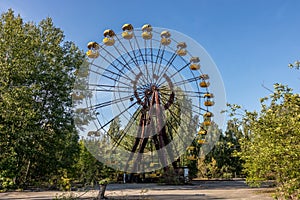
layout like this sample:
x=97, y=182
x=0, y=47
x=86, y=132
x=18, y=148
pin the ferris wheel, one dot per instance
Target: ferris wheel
x=144, y=97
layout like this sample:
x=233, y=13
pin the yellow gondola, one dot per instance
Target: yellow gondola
x=126, y=35
x=195, y=59
x=165, y=34
x=127, y=31
x=204, y=76
x=207, y=123
x=147, y=27
x=209, y=103
x=208, y=114
x=108, y=37
x=209, y=95
x=147, y=35
x=194, y=66
x=90, y=45
x=204, y=84
x=92, y=54
x=109, y=33
x=93, y=45
x=181, y=45
x=202, y=132
x=127, y=27
x=165, y=41
x=108, y=41
x=181, y=52
x=201, y=141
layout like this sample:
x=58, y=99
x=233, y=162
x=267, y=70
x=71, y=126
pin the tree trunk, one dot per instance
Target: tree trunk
x=102, y=189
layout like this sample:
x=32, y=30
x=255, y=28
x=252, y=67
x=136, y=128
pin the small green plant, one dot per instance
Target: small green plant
x=61, y=181
x=105, y=181
x=6, y=183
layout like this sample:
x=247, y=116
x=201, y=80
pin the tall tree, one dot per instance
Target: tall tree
x=37, y=135
x=228, y=165
x=271, y=149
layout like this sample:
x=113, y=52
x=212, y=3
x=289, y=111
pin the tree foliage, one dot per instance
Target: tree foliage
x=221, y=156
x=37, y=134
x=272, y=148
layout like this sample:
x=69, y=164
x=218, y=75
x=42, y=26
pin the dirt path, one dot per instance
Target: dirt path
x=199, y=190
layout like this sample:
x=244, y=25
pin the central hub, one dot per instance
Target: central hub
x=150, y=90
x=154, y=88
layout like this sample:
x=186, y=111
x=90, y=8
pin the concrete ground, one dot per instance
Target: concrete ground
x=200, y=190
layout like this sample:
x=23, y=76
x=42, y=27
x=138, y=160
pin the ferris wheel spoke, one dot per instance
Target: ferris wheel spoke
x=116, y=116
x=179, y=70
x=151, y=55
x=192, y=94
x=196, y=106
x=145, y=60
x=112, y=72
x=146, y=79
x=127, y=52
x=186, y=81
x=126, y=65
x=128, y=127
x=108, y=86
x=150, y=76
x=139, y=49
x=156, y=61
x=186, y=108
x=119, y=139
x=160, y=56
x=111, y=78
x=134, y=59
x=145, y=52
x=116, y=140
x=166, y=68
x=115, y=58
x=114, y=91
x=175, y=117
x=109, y=103
x=180, y=92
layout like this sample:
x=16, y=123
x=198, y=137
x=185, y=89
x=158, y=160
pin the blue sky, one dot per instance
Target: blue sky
x=251, y=41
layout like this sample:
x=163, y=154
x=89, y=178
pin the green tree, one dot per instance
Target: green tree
x=88, y=167
x=37, y=134
x=114, y=129
x=272, y=148
x=228, y=165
